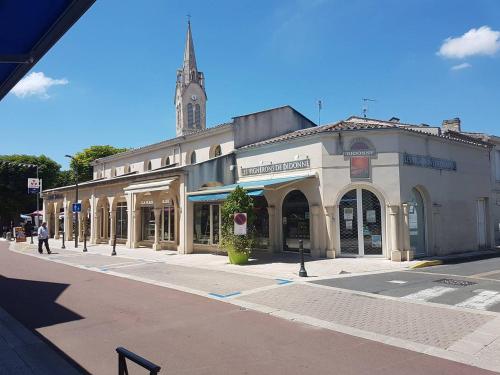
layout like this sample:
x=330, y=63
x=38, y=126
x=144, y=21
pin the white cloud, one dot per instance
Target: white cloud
x=461, y=66
x=36, y=84
x=482, y=41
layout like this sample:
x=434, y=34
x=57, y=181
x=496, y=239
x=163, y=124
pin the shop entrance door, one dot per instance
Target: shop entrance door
x=360, y=223
x=295, y=219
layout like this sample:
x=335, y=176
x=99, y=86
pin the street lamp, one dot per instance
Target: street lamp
x=76, y=199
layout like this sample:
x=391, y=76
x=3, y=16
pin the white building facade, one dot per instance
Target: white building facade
x=360, y=187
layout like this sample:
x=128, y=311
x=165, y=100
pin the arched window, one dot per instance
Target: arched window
x=193, y=157
x=190, y=115
x=167, y=161
x=126, y=169
x=197, y=116
x=217, y=151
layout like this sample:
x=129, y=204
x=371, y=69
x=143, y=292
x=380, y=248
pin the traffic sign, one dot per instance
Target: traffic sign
x=77, y=207
x=240, y=224
x=33, y=185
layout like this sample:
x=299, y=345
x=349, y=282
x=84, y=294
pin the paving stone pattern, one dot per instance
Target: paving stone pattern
x=209, y=281
x=429, y=325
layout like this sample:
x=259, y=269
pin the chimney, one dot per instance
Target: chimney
x=452, y=125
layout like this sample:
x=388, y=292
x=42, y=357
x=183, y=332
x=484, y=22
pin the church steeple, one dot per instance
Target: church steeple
x=190, y=96
x=189, y=56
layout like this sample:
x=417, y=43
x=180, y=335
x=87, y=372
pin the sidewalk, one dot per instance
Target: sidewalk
x=281, y=265
x=459, y=334
x=22, y=352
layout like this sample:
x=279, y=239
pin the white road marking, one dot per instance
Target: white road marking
x=482, y=301
x=397, y=282
x=430, y=293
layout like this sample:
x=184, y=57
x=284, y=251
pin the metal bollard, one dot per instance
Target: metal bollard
x=85, y=236
x=114, y=246
x=31, y=233
x=63, y=246
x=302, y=272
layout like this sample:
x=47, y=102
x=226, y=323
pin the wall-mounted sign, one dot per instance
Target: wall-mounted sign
x=429, y=162
x=371, y=216
x=278, y=167
x=359, y=154
x=348, y=213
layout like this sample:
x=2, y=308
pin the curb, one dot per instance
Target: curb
x=427, y=263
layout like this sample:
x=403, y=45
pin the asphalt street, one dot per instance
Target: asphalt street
x=474, y=285
x=86, y=315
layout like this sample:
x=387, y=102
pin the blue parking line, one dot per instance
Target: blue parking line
x=224, y=295
x=283, y=281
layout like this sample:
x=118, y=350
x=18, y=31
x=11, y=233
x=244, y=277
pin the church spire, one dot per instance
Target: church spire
x=189, y=57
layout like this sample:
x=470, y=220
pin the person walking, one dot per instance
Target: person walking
x=43, y=237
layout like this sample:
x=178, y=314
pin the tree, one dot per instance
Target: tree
x=14, y=176
x=238, y=246
x=87, y=156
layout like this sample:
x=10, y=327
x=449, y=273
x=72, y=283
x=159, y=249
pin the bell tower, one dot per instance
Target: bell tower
x=190, y=96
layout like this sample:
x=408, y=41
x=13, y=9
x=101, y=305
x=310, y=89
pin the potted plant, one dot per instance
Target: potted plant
x=238, y=246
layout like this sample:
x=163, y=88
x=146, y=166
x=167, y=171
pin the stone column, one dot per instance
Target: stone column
x=56, y=220
x=112, y=225
x=156, y=244
x=45, y=205
x=137, y=228
x=315, y=242
x=94, y=221
x=393, y=233
x=407, y=252
x=130, y=221
x=331, y=231
x=271, y=211
x=68, y=221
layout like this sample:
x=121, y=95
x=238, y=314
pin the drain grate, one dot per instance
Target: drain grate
x=454, y=282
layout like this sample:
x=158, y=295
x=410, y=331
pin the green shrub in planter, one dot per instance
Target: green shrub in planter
x=238, y=247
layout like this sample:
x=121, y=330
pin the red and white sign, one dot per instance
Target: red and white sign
x=240, y=224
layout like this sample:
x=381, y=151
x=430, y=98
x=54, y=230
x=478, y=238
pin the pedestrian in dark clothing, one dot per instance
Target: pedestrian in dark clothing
x=43, y=237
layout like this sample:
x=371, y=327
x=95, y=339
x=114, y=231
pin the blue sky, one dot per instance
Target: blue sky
x=111, y=78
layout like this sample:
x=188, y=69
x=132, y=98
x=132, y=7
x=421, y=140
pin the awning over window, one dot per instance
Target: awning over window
x=150, y=186
x=220, y=197
x=255, y=188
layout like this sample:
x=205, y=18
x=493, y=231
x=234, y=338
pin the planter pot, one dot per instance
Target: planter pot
x=237, y=257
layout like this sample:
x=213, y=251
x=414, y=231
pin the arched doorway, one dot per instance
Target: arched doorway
x=295, y=219
x=360, y=215
x=416, y=223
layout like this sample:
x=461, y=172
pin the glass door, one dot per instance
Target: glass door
x=295, y=221
x=360, y=223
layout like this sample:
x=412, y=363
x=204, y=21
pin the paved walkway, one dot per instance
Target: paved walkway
x=460, y=334
x=21, y=352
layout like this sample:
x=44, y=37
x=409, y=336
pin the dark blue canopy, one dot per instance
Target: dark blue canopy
x=28, y=29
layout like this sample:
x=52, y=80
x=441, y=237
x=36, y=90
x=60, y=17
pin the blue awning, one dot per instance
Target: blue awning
x=255, y=188
x=220, y=196
x=28, y=30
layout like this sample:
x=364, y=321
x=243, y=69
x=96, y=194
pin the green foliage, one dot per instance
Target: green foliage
x=65, y=178
x=238, y=201
x=14, y=197
x=88, y=155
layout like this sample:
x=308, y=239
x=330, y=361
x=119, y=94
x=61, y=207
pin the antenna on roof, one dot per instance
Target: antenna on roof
x=320, y=107
x=366, y=106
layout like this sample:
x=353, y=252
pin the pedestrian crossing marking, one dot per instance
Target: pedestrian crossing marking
x=481, y=301
x=428, y=294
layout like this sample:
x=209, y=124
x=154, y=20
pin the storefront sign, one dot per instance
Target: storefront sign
x=359, y=155
x=278, y=167
x=240, y=224
x=429, y=162
x=53, y=197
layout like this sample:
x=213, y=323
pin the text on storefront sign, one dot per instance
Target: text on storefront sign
x=278, y=167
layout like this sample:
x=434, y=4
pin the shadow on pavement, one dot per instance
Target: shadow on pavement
x=33, y=303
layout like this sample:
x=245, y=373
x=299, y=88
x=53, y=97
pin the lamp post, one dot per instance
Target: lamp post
x=76, y=199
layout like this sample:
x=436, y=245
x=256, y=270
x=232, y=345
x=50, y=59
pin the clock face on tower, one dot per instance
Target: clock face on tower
x=194, y=97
